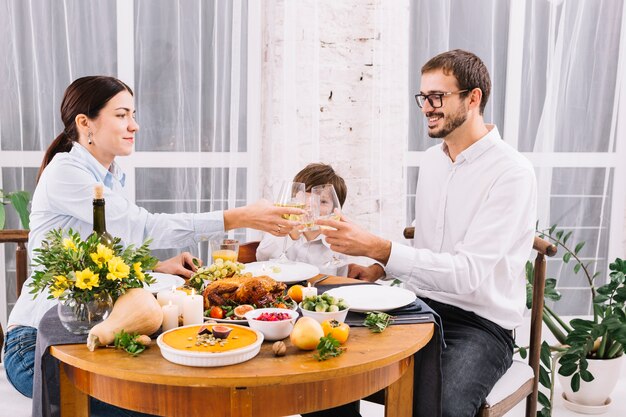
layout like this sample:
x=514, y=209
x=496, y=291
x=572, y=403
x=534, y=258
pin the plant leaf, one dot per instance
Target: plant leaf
x=578, y=247
x=567, y=236
x=2, y=216
x=586, y=376
x=544, y=377
x=567, y=256
x=543, y=400
x=575, y=384
x=567, y=369
x=20, y=199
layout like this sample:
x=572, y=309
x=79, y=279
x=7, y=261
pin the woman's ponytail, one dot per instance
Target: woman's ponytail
x=62, y=143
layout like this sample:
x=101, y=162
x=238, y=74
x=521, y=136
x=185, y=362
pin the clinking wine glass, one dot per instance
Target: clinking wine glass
x=325, y=205
x=290, y=194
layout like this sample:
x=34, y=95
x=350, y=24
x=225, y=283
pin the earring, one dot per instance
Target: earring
x=89, y=136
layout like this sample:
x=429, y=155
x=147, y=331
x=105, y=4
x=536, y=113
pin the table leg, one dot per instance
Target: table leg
x=399, y=395
x=74, y=403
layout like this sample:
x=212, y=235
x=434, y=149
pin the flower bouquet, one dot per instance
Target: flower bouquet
x=87, y=276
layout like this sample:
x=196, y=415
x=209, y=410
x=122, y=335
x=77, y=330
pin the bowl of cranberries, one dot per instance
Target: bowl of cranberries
x=274, y=323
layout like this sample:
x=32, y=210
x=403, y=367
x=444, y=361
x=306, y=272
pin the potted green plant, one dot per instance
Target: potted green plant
x=583, y=343
x=19, y=200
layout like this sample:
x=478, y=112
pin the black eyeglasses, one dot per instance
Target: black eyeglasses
x=435, y=99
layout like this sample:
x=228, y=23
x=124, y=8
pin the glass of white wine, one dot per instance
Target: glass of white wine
x=290, y=194
x=325, y=205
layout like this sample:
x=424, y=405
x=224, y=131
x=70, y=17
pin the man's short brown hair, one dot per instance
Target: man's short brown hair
x=469, y=71
x=320, y=174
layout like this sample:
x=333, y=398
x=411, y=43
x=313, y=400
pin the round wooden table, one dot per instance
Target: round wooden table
x=263, y=386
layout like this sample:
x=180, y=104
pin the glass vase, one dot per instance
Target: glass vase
x=79, y=316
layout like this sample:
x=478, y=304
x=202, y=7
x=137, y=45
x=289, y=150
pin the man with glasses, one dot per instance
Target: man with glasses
x=475, y=213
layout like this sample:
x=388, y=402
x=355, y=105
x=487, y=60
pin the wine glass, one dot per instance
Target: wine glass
x=325, y=205
x=290, y=194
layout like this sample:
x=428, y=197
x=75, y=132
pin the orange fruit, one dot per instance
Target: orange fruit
x=295, y=292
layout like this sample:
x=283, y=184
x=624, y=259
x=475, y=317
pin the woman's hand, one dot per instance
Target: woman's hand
x=262, y=215
x=182, y=264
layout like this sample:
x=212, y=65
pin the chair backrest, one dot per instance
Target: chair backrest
x=21, y=261
x=247, y=252
x=543, y=248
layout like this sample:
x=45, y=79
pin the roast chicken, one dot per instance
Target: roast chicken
x=260, y=291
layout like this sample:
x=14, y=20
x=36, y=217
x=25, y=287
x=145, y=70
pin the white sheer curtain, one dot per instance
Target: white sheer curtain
x=190, y=63
x=191, y=85
x=570, y=105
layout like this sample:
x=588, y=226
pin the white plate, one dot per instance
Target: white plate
x=164, y=282
x=207, y=359
x=287, y=272
x=364, y=298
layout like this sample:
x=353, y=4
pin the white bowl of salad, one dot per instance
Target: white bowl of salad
x=324, y=307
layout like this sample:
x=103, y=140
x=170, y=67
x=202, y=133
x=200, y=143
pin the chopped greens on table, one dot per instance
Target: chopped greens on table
x=377, y=321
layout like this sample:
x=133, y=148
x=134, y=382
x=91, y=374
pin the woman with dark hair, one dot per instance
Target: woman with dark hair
x=98, y=113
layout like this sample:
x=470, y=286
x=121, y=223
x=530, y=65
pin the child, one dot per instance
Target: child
x=316, y=252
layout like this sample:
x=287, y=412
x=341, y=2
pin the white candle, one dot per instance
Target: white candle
x=193, y=307
x=173, y=295
x=179, y=299
x=170, y=316
x=165, y=297
x=309, y=291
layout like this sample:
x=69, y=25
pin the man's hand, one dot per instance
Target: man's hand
x=181, y=264
x=353, y=240
x=366, y=273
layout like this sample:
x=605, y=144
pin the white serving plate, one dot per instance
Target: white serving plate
x=210, y=359
x=283, y=272
x=164, y=282
x=364, y=298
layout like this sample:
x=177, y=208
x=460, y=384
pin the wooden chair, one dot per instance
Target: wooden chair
x=21, y=262
x=521, y=380
x=247, y=252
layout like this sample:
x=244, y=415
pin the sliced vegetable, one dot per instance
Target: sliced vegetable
x=338, y=330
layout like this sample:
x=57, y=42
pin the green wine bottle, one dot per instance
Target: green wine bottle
x=99, y=220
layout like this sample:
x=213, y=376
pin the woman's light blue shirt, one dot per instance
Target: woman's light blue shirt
x=64, y=198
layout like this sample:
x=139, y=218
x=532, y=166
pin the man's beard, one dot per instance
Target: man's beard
x=450, y=123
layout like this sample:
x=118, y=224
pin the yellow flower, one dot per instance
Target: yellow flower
x=69, y=244
x=60, y=286
x=86, y=279
x=117, y=269
x=138, y=271
x=60, y=281
x=102, y=256
x=58, y=292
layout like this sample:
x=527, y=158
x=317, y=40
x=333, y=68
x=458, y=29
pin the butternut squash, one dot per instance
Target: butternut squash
x=135, y=311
